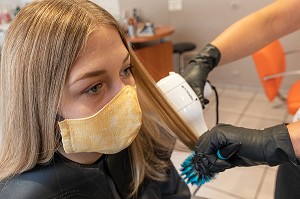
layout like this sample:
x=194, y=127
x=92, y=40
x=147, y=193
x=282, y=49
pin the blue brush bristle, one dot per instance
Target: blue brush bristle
x=191, y=175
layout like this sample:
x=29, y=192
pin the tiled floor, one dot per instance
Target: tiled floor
x=246, y=108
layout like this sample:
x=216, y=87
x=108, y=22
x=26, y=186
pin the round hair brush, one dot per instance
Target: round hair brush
x=190, y=170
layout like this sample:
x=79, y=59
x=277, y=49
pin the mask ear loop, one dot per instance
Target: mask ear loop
x=59, y=118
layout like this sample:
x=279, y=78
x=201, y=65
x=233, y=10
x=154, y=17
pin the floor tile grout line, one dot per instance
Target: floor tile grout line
x=213, y=101
x=263, y=117
x=224, y=192
x=243, y=113
x=266, y=118
x=245, y=109
x=261, y=182
x=254, y=116
x=282, y=119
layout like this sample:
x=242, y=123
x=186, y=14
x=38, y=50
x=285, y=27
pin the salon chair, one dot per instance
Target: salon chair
x=270, y=62
x=180, y=48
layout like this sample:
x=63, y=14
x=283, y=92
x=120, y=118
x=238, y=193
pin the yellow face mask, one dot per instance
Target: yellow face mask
x=109, y=131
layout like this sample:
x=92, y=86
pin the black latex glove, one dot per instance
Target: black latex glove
x=198, y=68
x=270, y=146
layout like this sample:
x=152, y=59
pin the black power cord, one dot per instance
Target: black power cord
x=217, y=101
x=217, y=120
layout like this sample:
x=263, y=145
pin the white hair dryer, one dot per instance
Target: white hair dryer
x=184, y=100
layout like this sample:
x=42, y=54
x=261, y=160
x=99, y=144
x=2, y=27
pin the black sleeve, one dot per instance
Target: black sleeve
x=173, y=188
x=62, y=179
x=119, y=168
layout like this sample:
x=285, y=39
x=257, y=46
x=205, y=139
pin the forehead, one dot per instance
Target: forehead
x=103, y=41
x=104, y=47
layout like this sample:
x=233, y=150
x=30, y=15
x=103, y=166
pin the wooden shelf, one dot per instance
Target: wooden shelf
x=160, y=32
x=157, y=57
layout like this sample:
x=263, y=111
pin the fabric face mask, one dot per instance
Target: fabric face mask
x=109, y=131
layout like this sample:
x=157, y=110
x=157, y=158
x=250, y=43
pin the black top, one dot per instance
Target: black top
x=65, y=179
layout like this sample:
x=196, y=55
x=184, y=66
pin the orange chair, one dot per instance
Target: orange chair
x=293, y=99
x=271, y=67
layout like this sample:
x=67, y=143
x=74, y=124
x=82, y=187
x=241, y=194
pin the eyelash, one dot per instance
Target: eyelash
x=99, y=85
x=129, y=67
x=89, y=90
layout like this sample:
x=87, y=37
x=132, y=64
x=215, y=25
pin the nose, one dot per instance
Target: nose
x=121, y=83
x=118, y=86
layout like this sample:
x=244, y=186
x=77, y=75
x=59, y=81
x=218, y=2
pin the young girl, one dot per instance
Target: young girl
x=80, y=115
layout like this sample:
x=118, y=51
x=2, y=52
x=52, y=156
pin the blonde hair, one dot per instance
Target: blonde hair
x=41, y=45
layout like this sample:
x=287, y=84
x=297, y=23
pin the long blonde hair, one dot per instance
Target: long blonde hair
x=41, y=45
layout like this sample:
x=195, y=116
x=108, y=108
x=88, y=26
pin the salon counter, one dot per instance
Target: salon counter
x=155, y=52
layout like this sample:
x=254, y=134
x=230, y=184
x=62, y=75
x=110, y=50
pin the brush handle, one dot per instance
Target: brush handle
x=228, y=151
x=189, y=168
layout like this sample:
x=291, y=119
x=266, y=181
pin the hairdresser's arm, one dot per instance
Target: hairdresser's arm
x=272, y=146
x=258, y=29
x=294, y=132
x=241, y=39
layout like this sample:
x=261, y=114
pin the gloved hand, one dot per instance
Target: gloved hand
x=270, y=146
x=198, y=68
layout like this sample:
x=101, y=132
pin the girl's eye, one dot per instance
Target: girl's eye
x=127, y=70
x=94, y=89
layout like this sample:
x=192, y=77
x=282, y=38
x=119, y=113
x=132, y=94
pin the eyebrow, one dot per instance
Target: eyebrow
x=126, y=58
x=88, y=75
x=97, y=72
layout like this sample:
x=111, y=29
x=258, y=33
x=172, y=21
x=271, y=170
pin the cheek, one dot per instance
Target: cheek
x=80, y=107
x=129, y=81
x=74, y=108
x=71, y=112
x=77, y=110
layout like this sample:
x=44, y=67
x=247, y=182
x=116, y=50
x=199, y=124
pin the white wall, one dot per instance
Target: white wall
x=11, y=4
x=111, y=6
